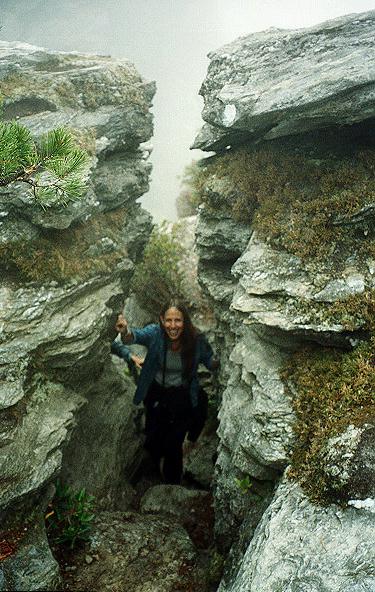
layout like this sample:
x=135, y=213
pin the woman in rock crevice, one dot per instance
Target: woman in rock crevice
x=168, y=384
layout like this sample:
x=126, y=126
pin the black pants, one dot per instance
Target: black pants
x=168, y=416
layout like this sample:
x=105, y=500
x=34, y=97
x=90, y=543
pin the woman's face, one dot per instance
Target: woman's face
x=173, y=323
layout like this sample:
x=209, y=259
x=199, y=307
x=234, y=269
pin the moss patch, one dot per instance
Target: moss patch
x=292, y=201
x=66, y=254
x=335, y=389
x=354, y=313
x=85, y=138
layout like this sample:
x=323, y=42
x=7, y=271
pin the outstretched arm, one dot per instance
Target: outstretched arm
x=122, y=351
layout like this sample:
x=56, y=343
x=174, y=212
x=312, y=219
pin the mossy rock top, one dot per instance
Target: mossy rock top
x=36, y=80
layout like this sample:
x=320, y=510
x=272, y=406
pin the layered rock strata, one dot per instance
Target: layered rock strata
x=307, y=94
x=65, y=273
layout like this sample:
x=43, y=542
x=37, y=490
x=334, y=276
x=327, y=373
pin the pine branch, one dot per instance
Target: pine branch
x=17, y=149
x=54, y=169
x=55, y=144
x=66, y=165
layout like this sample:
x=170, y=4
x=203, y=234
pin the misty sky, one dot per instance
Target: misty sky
x=168, y=41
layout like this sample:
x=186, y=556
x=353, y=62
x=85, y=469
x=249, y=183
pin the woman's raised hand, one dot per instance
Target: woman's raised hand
x=121, y=325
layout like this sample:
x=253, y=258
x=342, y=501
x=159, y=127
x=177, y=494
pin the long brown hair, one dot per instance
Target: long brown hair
x=188, y=337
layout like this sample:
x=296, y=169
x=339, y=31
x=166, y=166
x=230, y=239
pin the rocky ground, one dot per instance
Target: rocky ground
x=164, y=542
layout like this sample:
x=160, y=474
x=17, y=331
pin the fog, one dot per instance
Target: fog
x=168, y=41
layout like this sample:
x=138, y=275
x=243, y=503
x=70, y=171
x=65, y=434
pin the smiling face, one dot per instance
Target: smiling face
x=173, y=323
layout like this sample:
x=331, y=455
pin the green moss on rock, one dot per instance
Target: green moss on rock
x=85, y=138
x=352, y=313
x=334, y=390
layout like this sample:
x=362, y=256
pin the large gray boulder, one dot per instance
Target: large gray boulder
x=299, y=546
x=277, y=289
x=219, y=237
x=58, y=324
x=281, y=82
x=255, y=432
x=27, y=562
x=114, y=442
x=137, y=553
x=349, y=462
x=256, y=416
x=105, y=102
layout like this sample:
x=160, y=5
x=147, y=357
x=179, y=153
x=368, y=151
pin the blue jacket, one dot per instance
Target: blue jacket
x=152, y=336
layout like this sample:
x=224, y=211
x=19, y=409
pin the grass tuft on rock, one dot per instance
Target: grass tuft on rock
x=121, y=85
x=78, y=252
x=294, y=202
x=356, y=312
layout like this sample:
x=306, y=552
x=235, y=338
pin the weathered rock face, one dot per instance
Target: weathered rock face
x=190, y=507
x=280, y=82
x=300, y=546
x=111, y=420
x=33, y=566
x=65, y=273
x=286, y=91
x=349, y=462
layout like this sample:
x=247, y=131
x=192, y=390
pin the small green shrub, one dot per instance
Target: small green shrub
x=188, y=200
x=70, y=516
x=158, y=278
x=334, y=389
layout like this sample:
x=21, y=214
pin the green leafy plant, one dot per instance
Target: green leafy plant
x=244, y=484
x=54, y=167
x=70, y=515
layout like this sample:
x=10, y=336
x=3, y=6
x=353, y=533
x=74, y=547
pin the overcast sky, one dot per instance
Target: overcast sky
x=168, y=41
